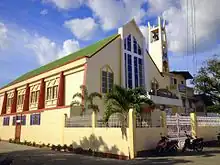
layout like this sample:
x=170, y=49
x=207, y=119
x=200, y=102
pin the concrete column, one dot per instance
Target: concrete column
x=132, y=133
x=41, y=99
x=14, y=102
x=164, y=122
x=94, y=119
x=4, y=106
x=26, y=98
x=193, y=119
x=61, y=91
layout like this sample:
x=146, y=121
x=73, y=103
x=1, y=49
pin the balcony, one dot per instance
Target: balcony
x=165, y=97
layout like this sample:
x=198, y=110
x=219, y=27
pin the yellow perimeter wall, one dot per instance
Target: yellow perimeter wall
x=107, y=140
x=50, y=129
x=209, y=133
x=147, y=138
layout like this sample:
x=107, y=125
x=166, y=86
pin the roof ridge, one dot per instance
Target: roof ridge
x=87, y=51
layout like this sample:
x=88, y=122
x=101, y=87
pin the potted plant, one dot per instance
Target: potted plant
x=10, y=140
x=33, y=144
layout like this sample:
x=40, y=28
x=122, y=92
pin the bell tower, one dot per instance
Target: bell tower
x=158, y=45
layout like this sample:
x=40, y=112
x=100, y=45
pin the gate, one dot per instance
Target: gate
x=177, y=125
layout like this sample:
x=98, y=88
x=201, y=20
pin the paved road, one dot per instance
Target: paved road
x=23, y=155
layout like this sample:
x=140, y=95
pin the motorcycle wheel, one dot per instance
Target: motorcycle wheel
x=199, y=147
x=159, y=149
x=175, y=149
x=184, y=148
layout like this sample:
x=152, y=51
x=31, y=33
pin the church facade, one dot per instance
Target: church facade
x=33, y=106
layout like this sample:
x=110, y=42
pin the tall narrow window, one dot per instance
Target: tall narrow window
x=134, y=64
x=35, y=90
x=126, y=70
x=129, y=71
x=129, y=43
x=52, y=89
x=141, y=77
x=136, y=71
x=107, y=78
x=135, y=45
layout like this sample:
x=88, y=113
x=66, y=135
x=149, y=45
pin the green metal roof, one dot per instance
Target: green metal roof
x=85, y=52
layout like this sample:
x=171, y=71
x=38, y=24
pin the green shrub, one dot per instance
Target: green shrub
x=70, y=148
x=59, y=147
x=10, y=141
x=48, y=145
x=64, y=147
x=53, y=147
x=34, y=144
x=25, y=142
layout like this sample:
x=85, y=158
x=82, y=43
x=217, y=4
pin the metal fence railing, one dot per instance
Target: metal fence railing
x=143, y=121
x=115, y=121
x=79, y=121
x=208, y=121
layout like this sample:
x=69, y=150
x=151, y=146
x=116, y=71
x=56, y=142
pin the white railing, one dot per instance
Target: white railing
x=208, y=121
x=79, y=121
x=115, y=121
x=143, y=121
x=177, y=125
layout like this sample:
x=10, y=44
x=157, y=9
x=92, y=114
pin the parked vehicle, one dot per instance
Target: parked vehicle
x=195, y=144
x=166, y=145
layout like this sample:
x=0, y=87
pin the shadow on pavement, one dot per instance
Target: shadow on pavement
x=207, y=153
x=47, y=157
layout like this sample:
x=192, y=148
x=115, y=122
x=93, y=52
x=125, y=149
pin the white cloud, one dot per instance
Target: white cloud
x=65, y=4
x=207, y=23
x=47, y=50
x=83, y=29
x=69, y=46
x=3, y=36
x=44, y=12
x=114, y=13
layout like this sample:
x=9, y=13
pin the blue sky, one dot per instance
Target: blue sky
x=34, y=32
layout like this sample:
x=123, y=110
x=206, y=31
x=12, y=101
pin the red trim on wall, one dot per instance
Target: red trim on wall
x=61, y=91
x=14, y=102
x=41, y=98
x=84, y=83
x=4, y=105
x=26, y=98
x=36, y=111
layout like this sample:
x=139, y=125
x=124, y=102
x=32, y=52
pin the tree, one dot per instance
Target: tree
x=207, y=80
x=120, y=100
x=86, y=99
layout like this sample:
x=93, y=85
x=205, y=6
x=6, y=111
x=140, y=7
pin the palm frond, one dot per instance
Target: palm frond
x=94, y=107
x=75, y=102
x=79, y=95
x=95, y=94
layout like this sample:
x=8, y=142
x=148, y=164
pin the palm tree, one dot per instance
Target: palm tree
x=120, y=100
x=86, y=99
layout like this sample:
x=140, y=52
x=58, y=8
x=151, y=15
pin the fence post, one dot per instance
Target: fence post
x=193, y=119
x=132, y=133
x=94, y=115
x=164, y=122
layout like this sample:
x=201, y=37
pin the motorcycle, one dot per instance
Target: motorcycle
x=195, y=144
x=166, y=145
